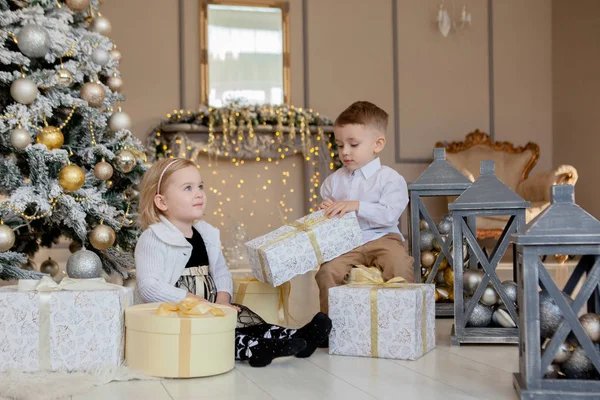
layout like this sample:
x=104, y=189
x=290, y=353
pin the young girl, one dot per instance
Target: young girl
x=179, y=255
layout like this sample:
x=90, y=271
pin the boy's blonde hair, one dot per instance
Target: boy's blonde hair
x=366, y=114
x=149, y=213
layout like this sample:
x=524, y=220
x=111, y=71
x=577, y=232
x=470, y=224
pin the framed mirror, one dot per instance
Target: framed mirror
x=244, y=52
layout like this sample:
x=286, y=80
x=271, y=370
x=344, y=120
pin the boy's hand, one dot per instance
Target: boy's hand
x=341, y=207
x=325, y=204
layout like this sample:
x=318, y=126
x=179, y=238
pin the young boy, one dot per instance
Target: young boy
x=377, y=194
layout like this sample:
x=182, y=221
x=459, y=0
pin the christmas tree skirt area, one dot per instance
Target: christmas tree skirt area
x=17, y=385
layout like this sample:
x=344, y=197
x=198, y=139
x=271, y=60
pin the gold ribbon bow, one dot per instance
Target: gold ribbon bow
x=304, y=226
x=284, y=289
x=372, y=277
x=186, y=309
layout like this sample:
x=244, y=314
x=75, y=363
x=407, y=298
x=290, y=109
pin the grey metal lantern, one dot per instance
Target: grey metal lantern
x=550, y=318
x=488, y=315
x=439, y=179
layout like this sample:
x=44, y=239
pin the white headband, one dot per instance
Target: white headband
x=161, y=175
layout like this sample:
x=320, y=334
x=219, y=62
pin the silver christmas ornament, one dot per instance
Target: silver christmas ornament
x=579, y=366
x=100, y=57
x=489, y=297
x=64, y=78
x=93, y=93
x=115, y=83
x=33, y=41
x=563, y=353
x=501, y=317
x=427, y=259
x=101, y=25
x=552, y=372
x=510, y=288
x=20, y=138
x=426, y=238
x=84, y=264
x=445, y=225
x=550, y=314
x=119, y=120
x=482, y=316
x=7, y=237
x=471, y=280
x=49, y=267
x=24, y=91
x=125, y=161
x=591, y=325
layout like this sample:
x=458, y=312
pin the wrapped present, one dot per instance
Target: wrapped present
x=387, y=320
x=189, y=339
x=299, y=247
x=75, y=325
x=262, y=298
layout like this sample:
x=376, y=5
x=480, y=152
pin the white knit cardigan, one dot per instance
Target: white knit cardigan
x=161, y=255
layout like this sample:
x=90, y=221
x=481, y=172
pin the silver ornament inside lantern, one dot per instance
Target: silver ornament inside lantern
x=510, y=288
x=33, y=41
x=84, y=264
x=471, y=280
x=24, y=91
x=550, y=314
x=426, y=240
x=481, y=317
x=489, y=297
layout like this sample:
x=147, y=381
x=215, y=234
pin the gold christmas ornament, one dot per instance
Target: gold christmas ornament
x=74, y=246
x=7, y=237
x=51, y=136
x=449, y=276
x=49, y=267
x=64, y=78
x=102, y=237
x=20, y=138
x=125, y=161
x=29, y=265
x=115, y=54
x=115, y=83
x=71, y=178
x=427, y=259
x=103, y=171
x=78, y=5
x=93, y=93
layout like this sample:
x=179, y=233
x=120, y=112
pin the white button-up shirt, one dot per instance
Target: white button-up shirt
x=381, y=192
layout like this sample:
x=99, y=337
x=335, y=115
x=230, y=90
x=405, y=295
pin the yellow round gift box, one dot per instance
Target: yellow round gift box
x=179, y=347
x=259, y=297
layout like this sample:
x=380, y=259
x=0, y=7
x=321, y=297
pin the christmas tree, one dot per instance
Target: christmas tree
x=68, y=163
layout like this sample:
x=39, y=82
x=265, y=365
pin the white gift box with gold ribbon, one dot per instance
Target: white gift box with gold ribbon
x=385, y=320
x=302, y=246
x=270, y=303
x=184, y=340
x=72, y=326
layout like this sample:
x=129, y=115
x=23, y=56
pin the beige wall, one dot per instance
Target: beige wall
x=443, y=83
x=576, y=100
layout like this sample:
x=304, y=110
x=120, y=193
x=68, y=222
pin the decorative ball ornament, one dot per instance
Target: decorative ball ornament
x=436, y=245
x=49, y=267
x=7, y=237
x=482, y=316
x=29, y=265
x=71, y=178
x=579, y=366
x=33, y=41
x=501, y=317
x=115, y=83
x=74, y=246
x=100, y=57
x=24, y=91
x=445, y=225
x=552, y=372
x=84, y=264
x=119, y=120
x=449, y=276
x=51, y=136
x=427, y=259
x=443, y=292
x=93, y=93
x=591, y=325
x=102, y=237
x=510, y=288
x=64, y=78
x=563, y=353
x=78, y=5
x=125, y=161
x=100, y=25
x=426, y=240
x=471, y=280
x=423, y=225
x=550, y=314
x=489, y=297
x=20, y=138
x=115, y=54
x=439, y=278
x=103, y=171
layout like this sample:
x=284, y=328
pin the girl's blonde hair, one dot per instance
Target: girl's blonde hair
x=149, y=213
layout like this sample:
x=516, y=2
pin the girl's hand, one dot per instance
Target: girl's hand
x=193, y=296
x=224, y=299
x=325, y=204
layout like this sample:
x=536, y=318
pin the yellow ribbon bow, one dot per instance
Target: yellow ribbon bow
x=189, y=307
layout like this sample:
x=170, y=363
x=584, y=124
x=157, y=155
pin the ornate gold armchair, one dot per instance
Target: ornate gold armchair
x=513, y=165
